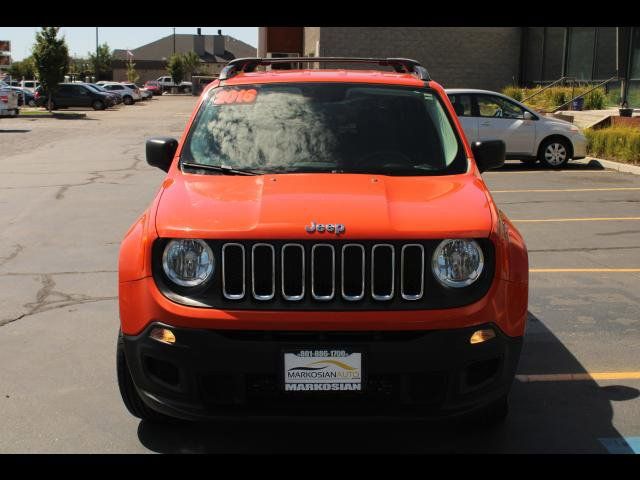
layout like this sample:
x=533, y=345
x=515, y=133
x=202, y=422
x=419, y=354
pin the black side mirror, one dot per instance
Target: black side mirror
x=489, y=154
x=160, y=152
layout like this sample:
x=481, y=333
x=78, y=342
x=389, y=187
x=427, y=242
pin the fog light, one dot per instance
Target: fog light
x=163, y=335
x=480, y=336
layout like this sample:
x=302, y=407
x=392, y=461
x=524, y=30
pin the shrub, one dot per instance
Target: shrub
x=559, y=95
x=595, y=100
x=513, y=92
x=615, y=143
x=175, y=67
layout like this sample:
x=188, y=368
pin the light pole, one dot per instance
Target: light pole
x=174, y=40
x=96, y=64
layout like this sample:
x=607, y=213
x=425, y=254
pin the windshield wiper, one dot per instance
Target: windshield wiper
x=218, y=168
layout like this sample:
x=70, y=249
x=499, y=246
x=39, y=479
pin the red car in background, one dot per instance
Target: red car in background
x=153, y=87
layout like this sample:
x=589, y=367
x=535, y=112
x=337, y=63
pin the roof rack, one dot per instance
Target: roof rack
x=400, y=65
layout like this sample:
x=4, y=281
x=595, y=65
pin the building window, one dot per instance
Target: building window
x=605, y=53
x=633, y=94
x=580, y=52
x=634, y=66
x=533, y=60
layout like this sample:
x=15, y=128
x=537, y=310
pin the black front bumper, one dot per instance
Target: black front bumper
x=211, y=374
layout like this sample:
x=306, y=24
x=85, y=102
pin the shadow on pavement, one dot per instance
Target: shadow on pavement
x=72, y=116
x=14, y=131
x=545, y=417
x=517, y=166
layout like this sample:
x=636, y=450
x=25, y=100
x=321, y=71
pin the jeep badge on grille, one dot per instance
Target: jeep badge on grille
x=336, y=228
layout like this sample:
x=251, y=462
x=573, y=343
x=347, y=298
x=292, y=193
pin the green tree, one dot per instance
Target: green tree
x=51, y=56
x=101, y=61
x=175, y=67
x=23, y=69
x=191, y=62
x=132, y=75
x=80, y=68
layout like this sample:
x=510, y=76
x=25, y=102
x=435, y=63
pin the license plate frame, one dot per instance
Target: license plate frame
x=322, y=370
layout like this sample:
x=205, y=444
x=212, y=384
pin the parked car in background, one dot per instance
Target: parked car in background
x=153, y=87
x=30, y=85
x=146, y=94
x=25, y=97
x=167, y=83
x=143, y=93
x=129, y=96
x=8, y=102
x=75, y=95
x=529, y=136
x=112, y=98
x=117, y=99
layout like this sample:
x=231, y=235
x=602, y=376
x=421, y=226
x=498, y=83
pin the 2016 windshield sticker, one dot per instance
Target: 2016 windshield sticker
x=228, y=96
x=312, y=370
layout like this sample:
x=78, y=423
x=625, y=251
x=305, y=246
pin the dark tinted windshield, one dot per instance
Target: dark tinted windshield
x=320, y=127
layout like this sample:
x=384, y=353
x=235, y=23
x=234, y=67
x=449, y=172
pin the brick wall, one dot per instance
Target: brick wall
x=456, y=57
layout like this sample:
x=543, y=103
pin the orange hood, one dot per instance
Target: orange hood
x=280, y=206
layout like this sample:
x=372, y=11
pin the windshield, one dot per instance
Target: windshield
x=321, y=127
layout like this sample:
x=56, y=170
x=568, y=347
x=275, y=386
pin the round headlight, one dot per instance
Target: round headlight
x=188, y=262
x=457, y=263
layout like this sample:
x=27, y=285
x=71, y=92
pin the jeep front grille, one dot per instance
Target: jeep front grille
x=328, y=276
x=325, y=275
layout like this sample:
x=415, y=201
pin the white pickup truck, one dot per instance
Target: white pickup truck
x=8, y=103
x=167, y=83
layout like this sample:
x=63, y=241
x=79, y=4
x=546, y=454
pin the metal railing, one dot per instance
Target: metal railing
x=555, y=82
x=601, y=84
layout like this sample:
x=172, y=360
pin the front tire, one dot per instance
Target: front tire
x=128, y=391
x=554, y=153
x=98, y=105
x=128, y=100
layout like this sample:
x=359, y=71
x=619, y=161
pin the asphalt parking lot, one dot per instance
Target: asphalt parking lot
x=69, y=190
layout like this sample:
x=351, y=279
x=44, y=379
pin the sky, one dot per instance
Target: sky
x=82, y=40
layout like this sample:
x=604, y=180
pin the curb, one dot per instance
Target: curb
x=620, y=167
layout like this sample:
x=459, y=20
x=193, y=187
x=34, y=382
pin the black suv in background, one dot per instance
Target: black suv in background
x=75, y=95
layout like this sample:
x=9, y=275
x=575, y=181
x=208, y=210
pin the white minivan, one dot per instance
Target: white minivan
x=528, y=136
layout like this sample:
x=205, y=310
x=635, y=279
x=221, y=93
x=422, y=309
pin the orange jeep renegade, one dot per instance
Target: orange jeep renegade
x=323, y=244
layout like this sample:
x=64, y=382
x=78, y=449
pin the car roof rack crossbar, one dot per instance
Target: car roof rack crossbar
x=249, y=64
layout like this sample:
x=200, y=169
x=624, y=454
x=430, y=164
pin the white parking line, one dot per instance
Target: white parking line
x=553, y=190
x=584, y=219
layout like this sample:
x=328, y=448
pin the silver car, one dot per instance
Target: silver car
x=528, y=136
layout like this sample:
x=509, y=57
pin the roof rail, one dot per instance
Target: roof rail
x=400, y=65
